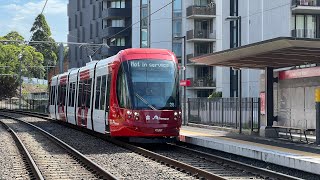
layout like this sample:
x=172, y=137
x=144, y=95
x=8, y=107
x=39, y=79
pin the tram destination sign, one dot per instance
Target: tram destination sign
x=151, y=65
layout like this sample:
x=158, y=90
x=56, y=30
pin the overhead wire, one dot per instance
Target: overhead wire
x=126, y=28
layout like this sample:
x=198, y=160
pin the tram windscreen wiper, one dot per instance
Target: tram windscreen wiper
x=145, y=101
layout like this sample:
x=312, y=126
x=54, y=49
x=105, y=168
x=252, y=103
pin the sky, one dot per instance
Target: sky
x=19, y=15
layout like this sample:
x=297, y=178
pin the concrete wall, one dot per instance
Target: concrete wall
x=295, y=99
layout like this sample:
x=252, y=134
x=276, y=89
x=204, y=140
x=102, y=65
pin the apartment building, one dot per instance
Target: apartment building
x=194, y=20
x=203, y=24
x=98, y=22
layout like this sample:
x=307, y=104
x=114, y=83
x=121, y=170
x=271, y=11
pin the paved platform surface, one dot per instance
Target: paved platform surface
x=305, y=157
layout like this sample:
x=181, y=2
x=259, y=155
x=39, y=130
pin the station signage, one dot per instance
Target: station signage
x=299, y=73
x=185, y=83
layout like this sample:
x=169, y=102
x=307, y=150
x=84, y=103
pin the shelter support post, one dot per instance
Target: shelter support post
x=317, y=99
x=269, y=96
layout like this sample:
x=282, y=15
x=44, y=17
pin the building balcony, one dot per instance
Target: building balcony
x=201, y=12
x=116, y=12
x=109, y=31
x=304, y=33
x=202, y=83
x=113, y=50
x=306, y=6
x=201, y=36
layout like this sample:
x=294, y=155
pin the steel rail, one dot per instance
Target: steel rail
x=34, y=168
x=89, y=163
x=151, y=155
x=249, y=168
x=179, y=165
x=163, y=159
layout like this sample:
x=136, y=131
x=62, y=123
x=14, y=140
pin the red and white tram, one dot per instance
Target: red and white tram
x=132, y=94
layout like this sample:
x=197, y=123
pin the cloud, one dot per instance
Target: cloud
x=18, y=15
x=53, y=7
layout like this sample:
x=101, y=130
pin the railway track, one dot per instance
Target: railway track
x=17, y=162
x=49, y=157
x=195, y=163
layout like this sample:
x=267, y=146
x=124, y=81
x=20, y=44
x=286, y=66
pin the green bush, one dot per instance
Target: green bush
x=215, y=95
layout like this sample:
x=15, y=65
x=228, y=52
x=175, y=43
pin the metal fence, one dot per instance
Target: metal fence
x=224, y=112
x=34, y=105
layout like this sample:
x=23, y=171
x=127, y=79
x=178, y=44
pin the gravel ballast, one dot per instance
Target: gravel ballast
x=12, y=165
x=120, y=162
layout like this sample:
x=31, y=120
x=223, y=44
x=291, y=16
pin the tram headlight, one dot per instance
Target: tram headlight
x=129, y=113
x=136, y=116
x=175, y=114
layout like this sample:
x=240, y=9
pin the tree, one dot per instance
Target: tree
x=215, y=95
x=31, y=63
x=41, y=32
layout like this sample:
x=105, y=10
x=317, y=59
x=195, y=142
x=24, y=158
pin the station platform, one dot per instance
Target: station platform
x=305, y=157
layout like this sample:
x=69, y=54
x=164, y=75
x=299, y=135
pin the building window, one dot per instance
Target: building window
x=75, y=21
x=91, y=31
x=118, y=4
x=176, y=27
x=202, y=2
x=94, y=12
x=97, y=29
x=69, y=24
x=144, y=17
x=76, y=53
x=306, y=26
x=177, y=9
x=117, y=41
x=81, y=18
x=83, y=3
x=78, y=5
x=100, y=9
x=117, y=23
x=83, y=34
x=177, y=49
x=144, y=24
x=81, y=53
x=202, y=48
x=144, y=38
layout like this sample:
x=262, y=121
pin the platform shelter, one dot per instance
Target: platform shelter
x=269, y=55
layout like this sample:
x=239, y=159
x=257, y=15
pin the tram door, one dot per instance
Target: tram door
x=99, y=111
x=84, y=104
x=71, y=102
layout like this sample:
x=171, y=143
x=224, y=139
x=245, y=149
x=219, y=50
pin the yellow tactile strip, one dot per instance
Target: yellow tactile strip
x=284, y=150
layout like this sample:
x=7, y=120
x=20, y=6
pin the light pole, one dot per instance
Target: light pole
x=20, y=79
x=184, y=77
x=238, y=19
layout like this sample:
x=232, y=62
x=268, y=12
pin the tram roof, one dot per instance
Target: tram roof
x=276, y=53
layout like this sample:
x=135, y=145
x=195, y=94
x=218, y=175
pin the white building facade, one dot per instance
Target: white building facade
x=204, y=26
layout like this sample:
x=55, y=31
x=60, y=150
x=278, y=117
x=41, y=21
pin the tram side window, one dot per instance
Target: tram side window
x=88, y=93
x=73, y=93
x=122, y=89
x=50, y=95
x=80, y=94
x=53, y=95
x=59, y=95
x=103, y=92
x=108, y=92
x=98, y=85
x=63, y=94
